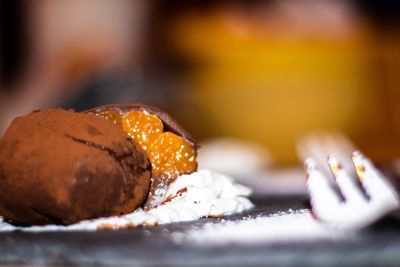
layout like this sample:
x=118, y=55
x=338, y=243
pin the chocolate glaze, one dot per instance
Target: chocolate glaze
x=158, y=189
x=159, y=182
x=60, y=167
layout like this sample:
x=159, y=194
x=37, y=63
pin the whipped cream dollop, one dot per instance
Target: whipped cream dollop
x=191, y=196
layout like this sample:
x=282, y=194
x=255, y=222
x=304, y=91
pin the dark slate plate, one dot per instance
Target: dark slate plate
x=378, y=246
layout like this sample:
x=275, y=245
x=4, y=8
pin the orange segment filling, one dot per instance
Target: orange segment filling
x=143, y=127
x=112, y=116
x=168, y=152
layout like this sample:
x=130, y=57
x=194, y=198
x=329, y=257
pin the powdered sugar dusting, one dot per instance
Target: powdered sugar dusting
x=289, y=226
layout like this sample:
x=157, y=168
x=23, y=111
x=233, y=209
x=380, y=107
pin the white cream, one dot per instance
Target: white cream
x=201, y=194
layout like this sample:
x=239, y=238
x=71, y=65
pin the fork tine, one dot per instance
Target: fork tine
x=342, y=147
x=373, y=182
x=320, y=145
x=312, y=147
x=322, y=196
x=357, y=211
x=347, y=186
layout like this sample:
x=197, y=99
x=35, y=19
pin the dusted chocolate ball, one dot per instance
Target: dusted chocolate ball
x=60, y=167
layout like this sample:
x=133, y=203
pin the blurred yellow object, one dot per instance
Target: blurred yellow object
x=273, y=85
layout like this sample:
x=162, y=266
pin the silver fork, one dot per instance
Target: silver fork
x=358, y=204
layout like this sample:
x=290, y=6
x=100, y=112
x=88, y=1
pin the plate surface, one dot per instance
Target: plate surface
x=377, y=246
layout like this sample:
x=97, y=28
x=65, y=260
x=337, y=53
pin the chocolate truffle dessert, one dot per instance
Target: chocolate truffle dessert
x=61, y=167
x=171, y=150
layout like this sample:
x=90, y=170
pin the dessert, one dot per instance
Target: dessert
x=110, y=167
x=171, y=150
x=61, y=167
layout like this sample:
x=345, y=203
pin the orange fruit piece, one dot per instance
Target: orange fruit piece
x=113, y=116
x=142, y=126
x=168, y=152
x=172, y=154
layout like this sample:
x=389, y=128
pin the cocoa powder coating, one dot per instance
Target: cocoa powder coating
x=61, y=167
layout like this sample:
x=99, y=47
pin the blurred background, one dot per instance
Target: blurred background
x=264, y=71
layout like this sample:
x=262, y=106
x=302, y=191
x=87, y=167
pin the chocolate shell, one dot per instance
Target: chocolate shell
x=159, y=182
x=170, y=124
x=61, y=167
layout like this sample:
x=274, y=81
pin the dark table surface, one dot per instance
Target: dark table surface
x=377, y=246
